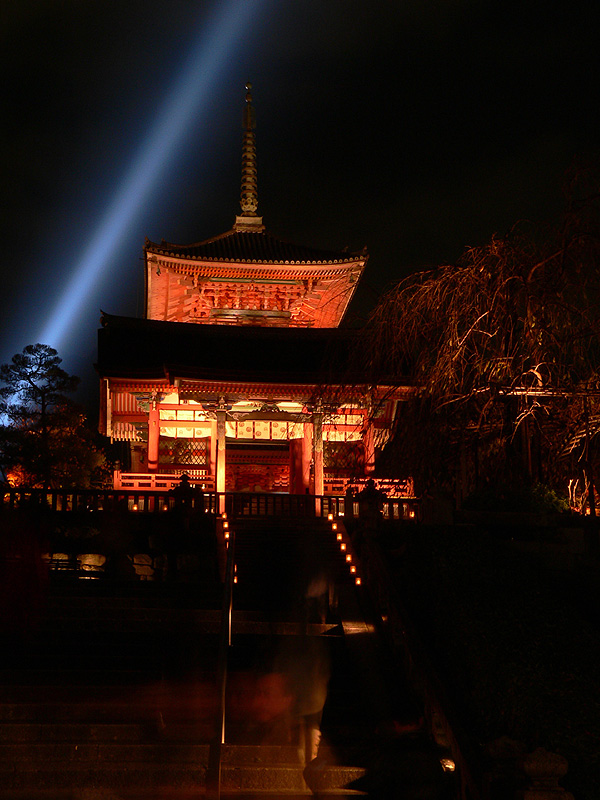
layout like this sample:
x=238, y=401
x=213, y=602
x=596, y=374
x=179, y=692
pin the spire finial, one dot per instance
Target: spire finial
x=249, y=219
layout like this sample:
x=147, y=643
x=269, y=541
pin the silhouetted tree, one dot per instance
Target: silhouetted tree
x=502, y=348
x=44, y=438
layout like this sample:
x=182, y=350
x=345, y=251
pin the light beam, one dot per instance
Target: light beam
x=230, y=20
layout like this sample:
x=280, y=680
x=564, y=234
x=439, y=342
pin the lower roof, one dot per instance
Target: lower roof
x=150, y=349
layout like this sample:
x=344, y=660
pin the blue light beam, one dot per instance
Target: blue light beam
x=206, y=60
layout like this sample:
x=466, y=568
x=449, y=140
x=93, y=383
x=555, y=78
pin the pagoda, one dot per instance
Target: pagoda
x=240, y=374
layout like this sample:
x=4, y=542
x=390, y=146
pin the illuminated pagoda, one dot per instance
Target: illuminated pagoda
x=240, y=374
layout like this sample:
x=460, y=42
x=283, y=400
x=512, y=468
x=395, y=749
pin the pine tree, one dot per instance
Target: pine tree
x=44, y=439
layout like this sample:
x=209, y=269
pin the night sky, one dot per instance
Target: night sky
x=414, y=127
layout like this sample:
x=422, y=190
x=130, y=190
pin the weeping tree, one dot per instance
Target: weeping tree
x=503, y=351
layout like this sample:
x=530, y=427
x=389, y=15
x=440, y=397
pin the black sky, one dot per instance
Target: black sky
x=414, y=127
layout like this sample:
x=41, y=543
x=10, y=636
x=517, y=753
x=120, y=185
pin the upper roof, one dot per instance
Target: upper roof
x=258, y=247
x=247, y=275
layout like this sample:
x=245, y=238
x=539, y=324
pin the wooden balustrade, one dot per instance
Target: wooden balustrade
x=253, y=504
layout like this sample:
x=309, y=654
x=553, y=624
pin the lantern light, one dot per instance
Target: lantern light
x=342, y=546
x=353, y=569
x=339, y=537
x=357, y=581
x=348, y=558
x=334, y=526
x=329, y=517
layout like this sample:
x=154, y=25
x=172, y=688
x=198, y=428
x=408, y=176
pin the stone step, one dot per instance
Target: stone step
x=134, y=633
x=75, y=677
x=236, y=781
x=29, y=755
x=176, y=768
x=38, y=732
x=174, y=793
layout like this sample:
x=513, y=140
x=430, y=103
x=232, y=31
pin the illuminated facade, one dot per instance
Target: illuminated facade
x=239, y=374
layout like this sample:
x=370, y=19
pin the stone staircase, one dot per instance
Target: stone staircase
x=111, y=695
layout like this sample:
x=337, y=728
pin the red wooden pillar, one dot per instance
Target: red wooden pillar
x=153, y=437
x=295, y=446
x=318, y=452
x=369, y=447
x=213, y=451
x=306, y=456
x=221, y=465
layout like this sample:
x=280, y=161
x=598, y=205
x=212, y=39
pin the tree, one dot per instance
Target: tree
x=504, y=353
x=44, y=438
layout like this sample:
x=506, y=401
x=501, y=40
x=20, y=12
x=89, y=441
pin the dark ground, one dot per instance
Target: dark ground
x=514, y=636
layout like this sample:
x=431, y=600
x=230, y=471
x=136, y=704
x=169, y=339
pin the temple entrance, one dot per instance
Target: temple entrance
x=257, y=469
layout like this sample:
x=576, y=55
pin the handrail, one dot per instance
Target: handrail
x=237, y=504
x=213, y=777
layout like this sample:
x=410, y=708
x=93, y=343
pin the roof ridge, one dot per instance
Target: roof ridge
x=322, y=254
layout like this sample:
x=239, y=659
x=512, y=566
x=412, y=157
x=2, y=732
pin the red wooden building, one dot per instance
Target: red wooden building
x=240, y=374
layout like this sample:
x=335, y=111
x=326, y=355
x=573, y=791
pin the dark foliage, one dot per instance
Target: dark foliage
x=503, y=352
x=45, y=440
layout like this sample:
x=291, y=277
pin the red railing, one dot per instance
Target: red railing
x=160, y=482
x=394, y=488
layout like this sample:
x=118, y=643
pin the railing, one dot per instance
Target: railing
x=91, y=500
x=161, y=482
x=213, y=777
x=144, y=481
x=252, y=504
x=391, y=487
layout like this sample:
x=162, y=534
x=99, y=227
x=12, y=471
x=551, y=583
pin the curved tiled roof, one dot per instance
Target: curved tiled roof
x=251, y=246
x=144, y=349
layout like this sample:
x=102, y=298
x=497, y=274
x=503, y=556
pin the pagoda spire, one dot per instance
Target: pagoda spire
x=249, y=219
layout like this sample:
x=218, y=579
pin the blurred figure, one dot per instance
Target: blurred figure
x=307, y=663
x=273, y=718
